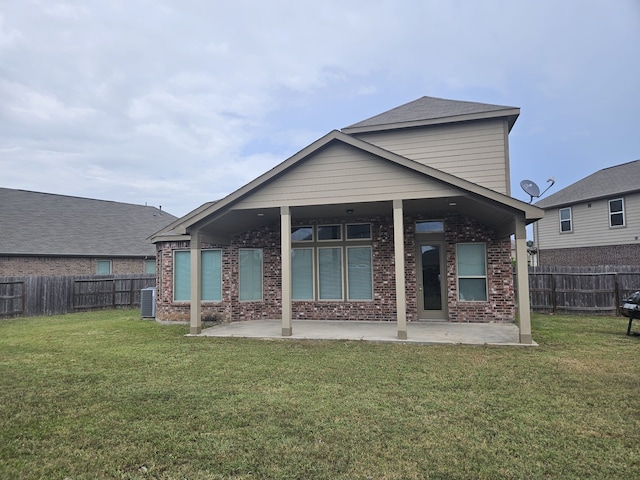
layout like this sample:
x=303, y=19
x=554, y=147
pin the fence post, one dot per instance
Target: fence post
x=616, y=294
x=554, y=300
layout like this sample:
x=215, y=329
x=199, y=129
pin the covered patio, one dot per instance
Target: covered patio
x=424, y=333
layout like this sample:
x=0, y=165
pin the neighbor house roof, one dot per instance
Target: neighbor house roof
x=608, y=182
x=34, y=223
x=430, y=111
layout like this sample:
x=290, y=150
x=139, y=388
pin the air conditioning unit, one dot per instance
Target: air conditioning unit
x=148, y=302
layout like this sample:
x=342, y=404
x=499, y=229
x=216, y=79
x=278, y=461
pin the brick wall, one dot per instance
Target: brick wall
x=46, y=266
x=589, y=256
x=499, y=307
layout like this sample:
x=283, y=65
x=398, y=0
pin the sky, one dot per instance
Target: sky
x=177, y=103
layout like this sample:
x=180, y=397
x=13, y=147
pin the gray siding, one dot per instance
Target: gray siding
x=474, y=151
x=342, y=174
x=590, y=226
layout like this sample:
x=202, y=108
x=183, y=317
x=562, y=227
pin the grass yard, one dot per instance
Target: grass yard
x=107, y=395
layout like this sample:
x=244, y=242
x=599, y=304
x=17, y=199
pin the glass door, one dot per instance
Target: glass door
x=431, y=298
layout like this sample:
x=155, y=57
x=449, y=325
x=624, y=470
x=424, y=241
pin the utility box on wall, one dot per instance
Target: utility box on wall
x=148, y=302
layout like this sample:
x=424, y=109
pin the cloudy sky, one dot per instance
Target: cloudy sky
x=176, y=103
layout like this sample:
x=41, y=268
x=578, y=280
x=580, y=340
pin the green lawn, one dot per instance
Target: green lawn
x=107, y=395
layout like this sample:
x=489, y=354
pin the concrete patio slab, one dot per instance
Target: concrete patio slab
x=417, y=332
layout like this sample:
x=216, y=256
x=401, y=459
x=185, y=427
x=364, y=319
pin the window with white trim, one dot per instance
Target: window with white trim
x=616, y=213
x=103, y=267
x=149, y=266
x=566, y=222
x=471, y=261
x=359, y=273
x=210, y=275
x=303, y=286
x=250, y=272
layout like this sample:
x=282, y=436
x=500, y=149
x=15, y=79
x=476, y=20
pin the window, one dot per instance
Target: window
x=211, y=272
x=149, y=266
x=302, y=287
x=104, y=267
x=359, y=273
x=565, y=220
x=616, y=212
x=330, y=273
x=182, y=275
x=210, y=275
x=329, y=232
x=302, y=234
x=250, y=260
x=359, y=231
x=472, y=271
x=430, y=226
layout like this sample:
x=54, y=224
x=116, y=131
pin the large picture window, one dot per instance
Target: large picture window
x=250, y=260
x=330, y=273
x=302, y=274
x=359, y=273
x=616, y=212
x=472, y=271
x=182, y=275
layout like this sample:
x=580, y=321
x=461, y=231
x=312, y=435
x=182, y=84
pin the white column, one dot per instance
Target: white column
x=398, y=243
x=524, y=307
x=285, y=249
x=196, y=287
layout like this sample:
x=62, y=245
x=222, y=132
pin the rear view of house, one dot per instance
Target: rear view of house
x=405, y=216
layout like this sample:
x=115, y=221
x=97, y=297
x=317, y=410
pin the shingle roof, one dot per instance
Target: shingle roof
x=34, y=223
x=608, y=182
x=427, y=109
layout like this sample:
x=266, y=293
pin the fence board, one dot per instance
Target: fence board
x=56, y=295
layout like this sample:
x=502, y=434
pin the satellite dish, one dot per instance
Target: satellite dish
x=530, y=187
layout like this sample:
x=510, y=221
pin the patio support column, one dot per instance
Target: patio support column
x=398, y=244
x=285, y=250
x=195, y=308
x=522, y=272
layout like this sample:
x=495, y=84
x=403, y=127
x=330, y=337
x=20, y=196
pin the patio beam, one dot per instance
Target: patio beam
x=522, y=274
x=285, y=249
x=195, y=308
x=398, y=244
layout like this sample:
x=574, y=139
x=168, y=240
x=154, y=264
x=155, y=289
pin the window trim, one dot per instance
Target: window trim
x=570, y=219
x=485, y=277
x=108, y=262
x=148, y=262
x=621, y=212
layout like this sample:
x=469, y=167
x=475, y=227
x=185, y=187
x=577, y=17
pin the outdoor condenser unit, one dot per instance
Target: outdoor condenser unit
x=148, y=302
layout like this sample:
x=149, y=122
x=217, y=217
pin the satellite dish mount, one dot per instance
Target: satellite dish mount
x=530, y=187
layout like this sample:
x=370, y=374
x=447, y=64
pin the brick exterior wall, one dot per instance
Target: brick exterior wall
x=46, y=266
x=499, y=307
x=590, y=256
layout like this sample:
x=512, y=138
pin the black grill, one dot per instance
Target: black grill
x=630, y=308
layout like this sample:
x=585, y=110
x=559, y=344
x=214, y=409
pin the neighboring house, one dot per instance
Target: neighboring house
x=47, y=234
x=403, y=217
x=595, y=221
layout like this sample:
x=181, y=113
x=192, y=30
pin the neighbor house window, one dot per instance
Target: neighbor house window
x=565, y=220
x=320, y=267
x=210, y=275
x=616, y=212
x=250, y=260
x=104, y=267
x=149, y=266
x=472, y=271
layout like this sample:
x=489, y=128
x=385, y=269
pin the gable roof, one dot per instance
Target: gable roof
x=210, y=210
x=608, y=182
x=45, y=224
x=430, y=111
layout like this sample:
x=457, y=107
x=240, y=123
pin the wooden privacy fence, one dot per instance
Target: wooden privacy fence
x=55, y=295
x=586, y=292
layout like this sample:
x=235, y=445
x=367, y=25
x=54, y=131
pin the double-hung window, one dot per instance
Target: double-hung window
x=335, y=265
x=616, y=213
x=210, y=275
x=472, y=271
x=566, y=223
